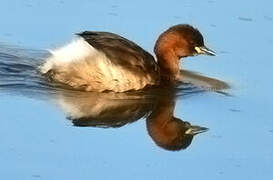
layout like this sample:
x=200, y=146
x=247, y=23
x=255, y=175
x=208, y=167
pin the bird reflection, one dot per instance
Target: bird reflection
x=167, y=131
x=118, y=109
x=19, y=75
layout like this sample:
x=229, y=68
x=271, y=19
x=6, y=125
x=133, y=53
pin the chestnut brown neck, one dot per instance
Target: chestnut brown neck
x=168, y=48
x=169, y=66
x=158, y=123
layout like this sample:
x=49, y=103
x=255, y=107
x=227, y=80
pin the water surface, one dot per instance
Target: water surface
x=41, y=139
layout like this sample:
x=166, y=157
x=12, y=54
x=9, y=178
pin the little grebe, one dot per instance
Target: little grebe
x=102, y=61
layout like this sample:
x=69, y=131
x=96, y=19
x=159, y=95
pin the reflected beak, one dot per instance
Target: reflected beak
x=193, y=130
x=204, y=50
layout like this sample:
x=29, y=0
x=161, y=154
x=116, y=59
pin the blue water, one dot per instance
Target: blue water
x=39, y=142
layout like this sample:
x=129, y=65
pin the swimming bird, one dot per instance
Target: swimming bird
x=104, y=61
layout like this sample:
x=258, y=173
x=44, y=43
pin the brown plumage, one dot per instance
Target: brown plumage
x=107, y=61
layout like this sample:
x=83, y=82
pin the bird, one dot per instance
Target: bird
x=103, y=61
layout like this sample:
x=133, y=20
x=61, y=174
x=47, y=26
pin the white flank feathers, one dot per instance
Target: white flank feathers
x=78, y=49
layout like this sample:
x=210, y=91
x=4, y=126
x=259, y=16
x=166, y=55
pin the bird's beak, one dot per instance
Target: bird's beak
x=204, y=50
x=193, y=130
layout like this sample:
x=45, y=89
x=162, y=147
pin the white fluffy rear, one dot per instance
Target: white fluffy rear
x=76, y=50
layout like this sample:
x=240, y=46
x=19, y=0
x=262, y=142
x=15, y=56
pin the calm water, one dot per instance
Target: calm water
x=49, y=133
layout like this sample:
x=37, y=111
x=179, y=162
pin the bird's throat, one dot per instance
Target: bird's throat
x=169, y=68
